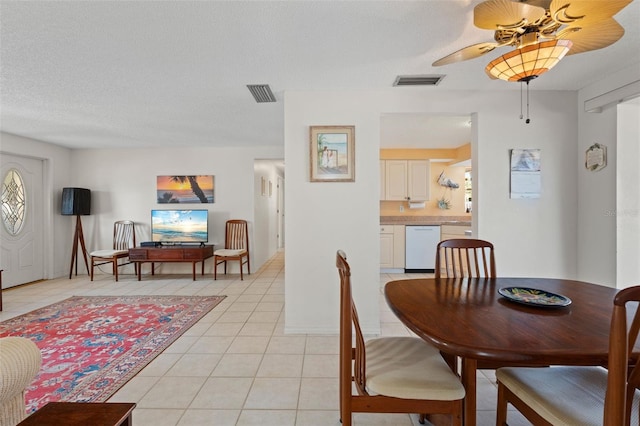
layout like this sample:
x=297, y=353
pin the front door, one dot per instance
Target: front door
x=22, y=230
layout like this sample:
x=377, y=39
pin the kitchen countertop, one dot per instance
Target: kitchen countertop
x=425, y=220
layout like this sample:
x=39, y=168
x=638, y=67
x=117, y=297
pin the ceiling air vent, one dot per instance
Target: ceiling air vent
x=261, y=92
x=418, y=80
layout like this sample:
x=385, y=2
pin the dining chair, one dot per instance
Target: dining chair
x=576, y=395
x=124, y=237
x=465, y=257
x=460, y=258
x=391, y=374
x=236, y=247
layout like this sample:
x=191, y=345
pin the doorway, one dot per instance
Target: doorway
x=268, y=222
x=22, y=231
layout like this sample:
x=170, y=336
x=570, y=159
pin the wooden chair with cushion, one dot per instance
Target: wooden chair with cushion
x=577, y=395
x=236, y=247
x=391, y=374
x=465, y=257
x=124, y=237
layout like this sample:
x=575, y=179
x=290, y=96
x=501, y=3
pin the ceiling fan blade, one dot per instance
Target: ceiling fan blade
x=582, y=11
x=593, y=36
x=505, y=14
x=469, y=52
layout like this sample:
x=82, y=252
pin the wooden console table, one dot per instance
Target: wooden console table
x=82, y=414
x=178, y=253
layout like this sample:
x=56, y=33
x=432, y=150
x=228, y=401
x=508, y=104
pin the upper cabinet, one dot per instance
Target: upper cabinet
x=404, y=180
x=383, y=174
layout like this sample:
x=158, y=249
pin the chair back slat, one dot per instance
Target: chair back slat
x=124, y=235
x=236, y=236
x=350, y=323
x=462, y=257
x=624, y=377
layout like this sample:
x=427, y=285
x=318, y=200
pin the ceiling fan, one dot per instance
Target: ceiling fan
x=571, y=26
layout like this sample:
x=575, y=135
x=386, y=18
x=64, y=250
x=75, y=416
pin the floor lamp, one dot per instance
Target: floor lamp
x=77, y=202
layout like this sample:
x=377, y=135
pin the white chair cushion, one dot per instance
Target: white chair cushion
x=108, y=253
x=229, y=252
x=562, y=395
x=407, y=367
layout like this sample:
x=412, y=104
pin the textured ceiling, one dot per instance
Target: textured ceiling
x=174, y=73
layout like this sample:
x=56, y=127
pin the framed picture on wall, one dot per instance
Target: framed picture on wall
x=332, y=153
x=595, y=157
x=185, y=189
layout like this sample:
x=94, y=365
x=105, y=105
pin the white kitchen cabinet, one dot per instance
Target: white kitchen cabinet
x=406, y=180
x=418, y=184
x=383, y=174
x=392, y=246
x=398, y=246
x=396, y=180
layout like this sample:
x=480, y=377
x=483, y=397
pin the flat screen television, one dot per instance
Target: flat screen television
x=179, y=226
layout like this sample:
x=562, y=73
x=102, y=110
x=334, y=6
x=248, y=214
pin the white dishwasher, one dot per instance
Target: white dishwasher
x=420, y=248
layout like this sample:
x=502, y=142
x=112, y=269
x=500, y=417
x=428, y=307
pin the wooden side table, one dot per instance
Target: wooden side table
x=82, y=414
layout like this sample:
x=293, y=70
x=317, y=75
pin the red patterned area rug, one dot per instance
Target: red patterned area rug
x=91, y=346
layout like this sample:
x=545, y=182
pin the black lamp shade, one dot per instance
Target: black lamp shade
x=76, y=201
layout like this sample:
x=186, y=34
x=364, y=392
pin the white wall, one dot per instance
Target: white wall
x=596, y=241
x=123, y=186
x=57, y=174
x=628, y=195
x=532, y=237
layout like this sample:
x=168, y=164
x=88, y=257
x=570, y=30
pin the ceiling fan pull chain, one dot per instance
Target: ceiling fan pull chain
x=521, y=101
x=527, y=120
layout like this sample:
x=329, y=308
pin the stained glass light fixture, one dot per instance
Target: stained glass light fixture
x=529, y=62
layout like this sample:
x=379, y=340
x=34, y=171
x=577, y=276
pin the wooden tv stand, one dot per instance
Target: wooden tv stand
x=177, y=253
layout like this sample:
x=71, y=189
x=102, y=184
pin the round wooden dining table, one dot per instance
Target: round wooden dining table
x=470, y=319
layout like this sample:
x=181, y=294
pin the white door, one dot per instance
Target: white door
x=22, y=235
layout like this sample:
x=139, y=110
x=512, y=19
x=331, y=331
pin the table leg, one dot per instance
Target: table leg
x=193, y=270
x=139, y=270
x=469, y=369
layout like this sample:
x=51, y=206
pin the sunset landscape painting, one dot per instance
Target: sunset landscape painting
x=185, y=189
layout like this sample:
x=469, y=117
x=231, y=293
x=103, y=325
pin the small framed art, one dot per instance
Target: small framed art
x=595, y=157
x=332, y=153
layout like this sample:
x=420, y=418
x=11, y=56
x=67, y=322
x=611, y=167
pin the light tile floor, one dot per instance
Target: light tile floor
x=236, y=366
